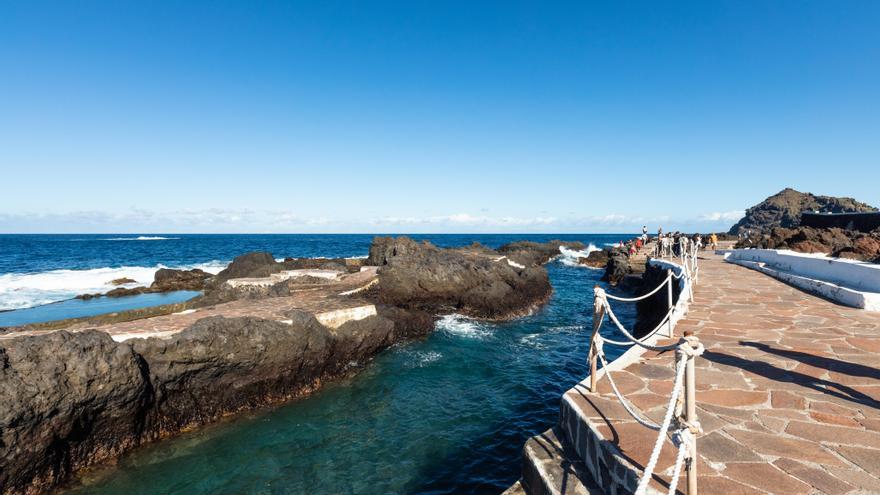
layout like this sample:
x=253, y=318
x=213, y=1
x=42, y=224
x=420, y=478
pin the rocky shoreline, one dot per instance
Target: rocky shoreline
x=78, y=397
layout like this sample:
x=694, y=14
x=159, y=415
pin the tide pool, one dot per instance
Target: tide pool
x=78, y=308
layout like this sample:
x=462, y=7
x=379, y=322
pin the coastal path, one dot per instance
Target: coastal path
x=787, y=392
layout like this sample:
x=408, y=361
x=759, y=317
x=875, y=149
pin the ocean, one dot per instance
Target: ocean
x=447, y=414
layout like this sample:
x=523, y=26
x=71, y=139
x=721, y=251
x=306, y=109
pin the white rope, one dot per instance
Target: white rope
x=645, y=296
x=667, y=420
x=628, y=335
x=648, y=335
x=623, y=401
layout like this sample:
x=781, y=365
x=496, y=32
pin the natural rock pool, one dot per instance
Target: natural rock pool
x=448, y=414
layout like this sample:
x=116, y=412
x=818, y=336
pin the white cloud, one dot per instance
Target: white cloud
x=464, y=219
x=728, y=216
x=220, y=220
x=134, y=220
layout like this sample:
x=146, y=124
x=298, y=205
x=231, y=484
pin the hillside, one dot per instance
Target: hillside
x=784, y=208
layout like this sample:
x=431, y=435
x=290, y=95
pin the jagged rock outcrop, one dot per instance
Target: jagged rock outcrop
x=250, y=265
x=68, y=400
x=221, y=365
x=426, y=278
x=617, y=267
x=384, y=248
x=784, y=209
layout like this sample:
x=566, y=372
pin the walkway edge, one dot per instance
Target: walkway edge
x=601, y=458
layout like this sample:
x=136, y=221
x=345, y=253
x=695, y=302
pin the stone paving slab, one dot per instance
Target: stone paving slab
x=333, y=296
x=788, y=391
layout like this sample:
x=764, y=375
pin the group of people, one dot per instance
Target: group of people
x=669, y=244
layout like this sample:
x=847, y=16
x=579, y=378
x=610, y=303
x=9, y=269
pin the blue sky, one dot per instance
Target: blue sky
x=425, y=116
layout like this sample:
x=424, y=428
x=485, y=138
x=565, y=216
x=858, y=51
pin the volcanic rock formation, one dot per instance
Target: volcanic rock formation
x=784, y=209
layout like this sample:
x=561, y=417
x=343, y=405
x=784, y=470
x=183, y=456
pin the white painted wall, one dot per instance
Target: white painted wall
x=848, y=282
x=858, y=275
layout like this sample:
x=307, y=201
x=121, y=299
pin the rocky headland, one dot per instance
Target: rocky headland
x=784, y=209
x=776, y=223
x=263, y=332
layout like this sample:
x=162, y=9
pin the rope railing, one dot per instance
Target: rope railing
x=680, y=424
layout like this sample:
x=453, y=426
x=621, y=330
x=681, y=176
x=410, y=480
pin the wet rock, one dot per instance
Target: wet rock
x=122, y=281
x=122, y=292
x=535, y=253
x=596, y=259
x=166, y=280
x=412, y=323
x=68, y=400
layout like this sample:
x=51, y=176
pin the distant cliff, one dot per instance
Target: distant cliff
x=784, y=208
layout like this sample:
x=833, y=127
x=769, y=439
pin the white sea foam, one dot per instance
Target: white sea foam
x=532, y=340
x=24, y=290
x=463, y=326
x=570, y=257
x=142, y=238
x=420, y=359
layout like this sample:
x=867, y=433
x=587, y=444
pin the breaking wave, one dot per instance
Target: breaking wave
x=462, y=326
x=142, y=238
x=570, y=257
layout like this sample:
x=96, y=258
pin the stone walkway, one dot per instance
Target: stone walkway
x=788, y=391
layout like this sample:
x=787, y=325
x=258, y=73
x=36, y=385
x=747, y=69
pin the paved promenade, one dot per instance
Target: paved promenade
x=788, y=391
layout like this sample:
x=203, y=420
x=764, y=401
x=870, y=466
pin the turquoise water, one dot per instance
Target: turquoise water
x=448, y=414
x=77, y=308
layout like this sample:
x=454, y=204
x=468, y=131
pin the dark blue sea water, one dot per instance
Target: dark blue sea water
x=447, y=414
